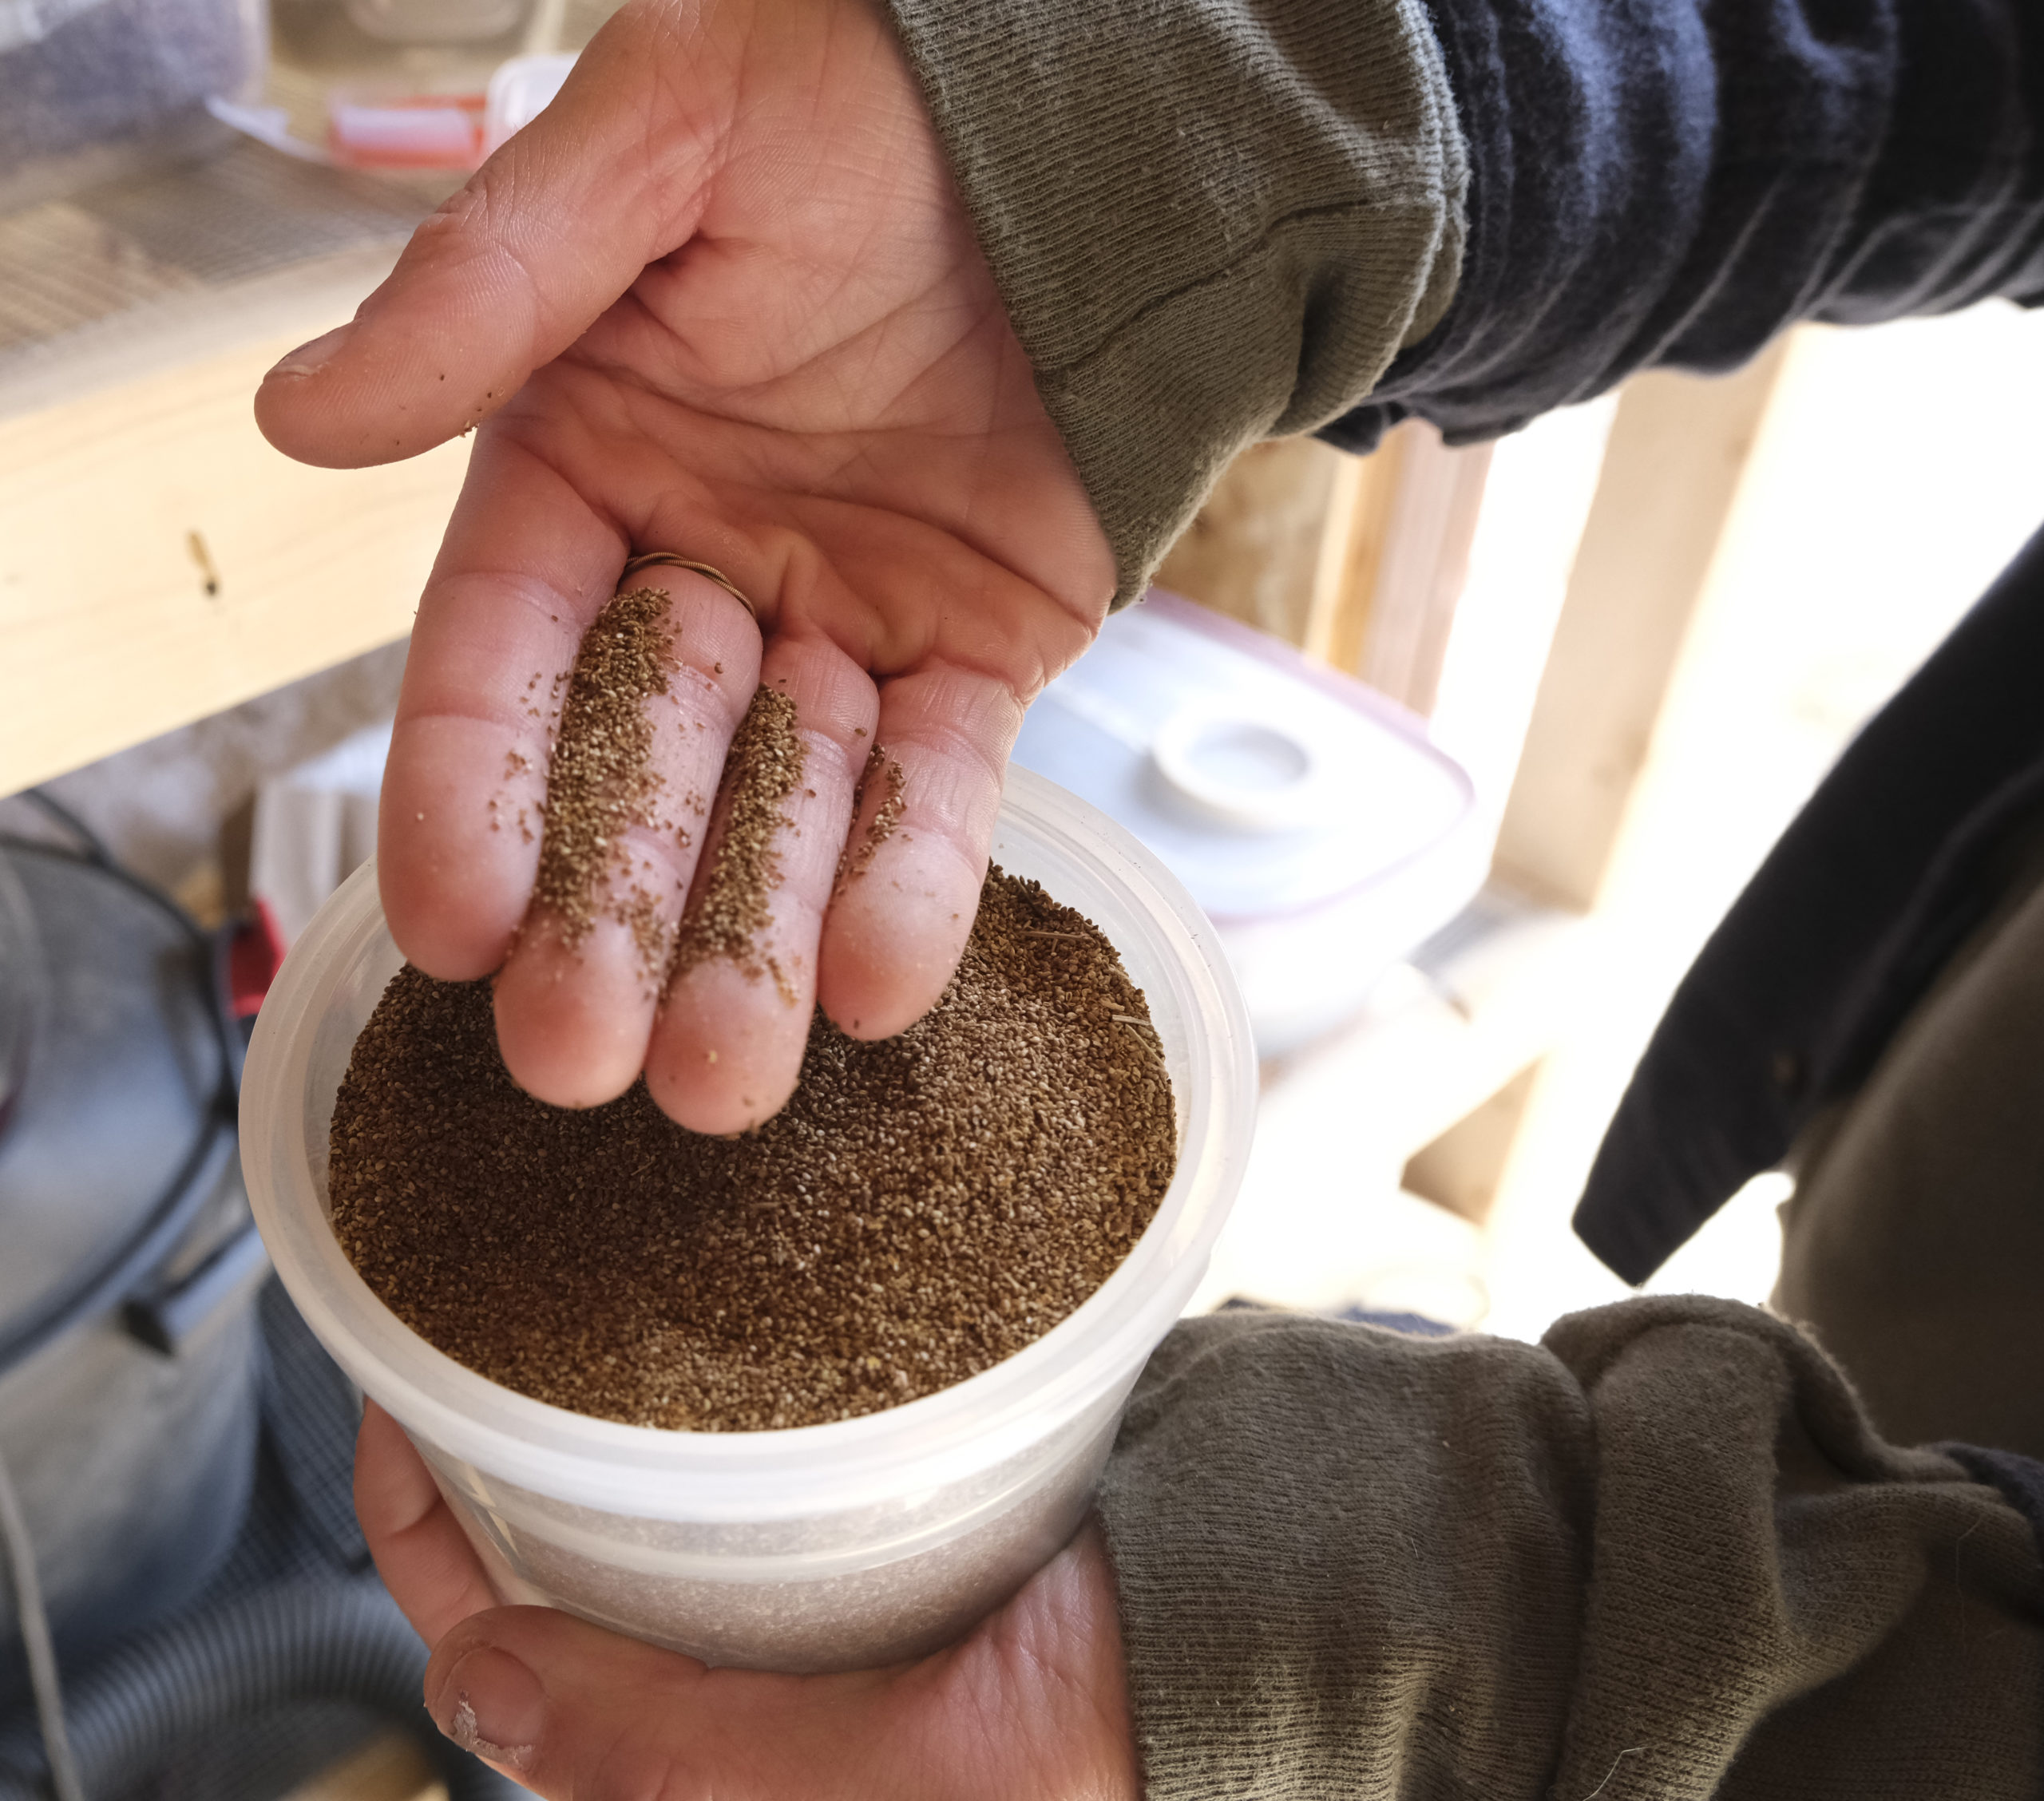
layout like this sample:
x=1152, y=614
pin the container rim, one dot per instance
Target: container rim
x=801, y=1471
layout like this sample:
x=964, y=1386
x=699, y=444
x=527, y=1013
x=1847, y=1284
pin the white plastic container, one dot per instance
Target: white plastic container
x=1322, y=832
x=824, y=1547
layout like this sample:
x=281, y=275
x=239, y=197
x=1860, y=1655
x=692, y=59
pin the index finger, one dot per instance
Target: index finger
x=525, y=565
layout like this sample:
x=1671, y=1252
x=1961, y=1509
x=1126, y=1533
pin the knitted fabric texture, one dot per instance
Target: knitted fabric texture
x=1207, y=227
x=1662, y=1554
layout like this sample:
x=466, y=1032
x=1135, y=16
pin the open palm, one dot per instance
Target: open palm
x=721, y=300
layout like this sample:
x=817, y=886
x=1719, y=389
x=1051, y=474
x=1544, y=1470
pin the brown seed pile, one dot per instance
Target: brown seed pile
x=598, y=781
x=730, y=906
x=923, y=1208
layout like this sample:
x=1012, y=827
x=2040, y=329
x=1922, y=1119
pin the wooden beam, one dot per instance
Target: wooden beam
x=1462, y=1169
x=1345, y=593
x=1254, y=550
x=390, y=1767
x=1678, y=450
x=159, y=561
x=1404, y=586
x=1358, y=560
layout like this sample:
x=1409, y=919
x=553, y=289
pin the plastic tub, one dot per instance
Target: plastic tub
x=823, y=1547
x=1324, y=833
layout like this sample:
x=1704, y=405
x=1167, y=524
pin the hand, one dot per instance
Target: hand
x=720, y=298
x=1031, y=1705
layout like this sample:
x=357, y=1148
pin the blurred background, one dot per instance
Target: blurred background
x=1464, y=750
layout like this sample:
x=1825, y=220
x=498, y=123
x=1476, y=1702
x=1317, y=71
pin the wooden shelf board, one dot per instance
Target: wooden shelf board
x=115, y=501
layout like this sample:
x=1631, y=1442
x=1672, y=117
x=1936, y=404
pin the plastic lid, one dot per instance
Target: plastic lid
x=520, y=91
x=1268, y=783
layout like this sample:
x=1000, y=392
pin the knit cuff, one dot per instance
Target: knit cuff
x=1210, y=220
x=1662, y=1544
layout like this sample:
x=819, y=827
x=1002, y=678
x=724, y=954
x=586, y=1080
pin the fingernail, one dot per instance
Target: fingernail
x=309, y=359
x=492, y=1705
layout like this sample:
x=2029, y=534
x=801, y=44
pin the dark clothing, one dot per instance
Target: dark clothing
x=1914, y=1239
x=1659, y=1555
x=1665, y=1554
x=1898, y=857
x=1212, y=220
x=1672, y=182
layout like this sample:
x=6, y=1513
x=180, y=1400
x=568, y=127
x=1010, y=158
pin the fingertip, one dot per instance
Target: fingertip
x=569, y=1707
x=361, y=395
x=393, y=1490
x=448, y=945
x=283, y=398
x=725, y=1056
x=484, y=1698
x=572, y=1021
x=896, y=930
x=454, y=859
x=890, y=949
x=431, y=1570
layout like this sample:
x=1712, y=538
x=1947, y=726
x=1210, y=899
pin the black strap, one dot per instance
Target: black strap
x=1884, y=873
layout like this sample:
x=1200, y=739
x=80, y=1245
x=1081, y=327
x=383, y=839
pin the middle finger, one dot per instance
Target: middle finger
x=728, y=1039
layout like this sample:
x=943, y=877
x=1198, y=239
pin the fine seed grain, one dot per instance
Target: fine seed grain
x=923, y=1208
x=882, y=768
x=731, y=905
x=599, y=781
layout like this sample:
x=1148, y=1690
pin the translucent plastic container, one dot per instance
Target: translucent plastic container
x=824, y=1547
x=94, y=90
x=1324, y=833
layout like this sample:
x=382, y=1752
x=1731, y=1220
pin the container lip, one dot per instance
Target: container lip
x=803, y=1470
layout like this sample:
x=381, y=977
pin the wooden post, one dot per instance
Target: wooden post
x=1678, y=450
x=1255, y=550
x=1671, y=467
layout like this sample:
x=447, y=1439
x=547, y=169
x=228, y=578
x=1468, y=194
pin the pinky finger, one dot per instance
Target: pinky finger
x=917, y=856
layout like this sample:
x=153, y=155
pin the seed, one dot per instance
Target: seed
x=923, y=1208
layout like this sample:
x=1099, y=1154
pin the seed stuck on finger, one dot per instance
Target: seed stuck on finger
x=731, y=906
x=601, y=783
x=857, y=858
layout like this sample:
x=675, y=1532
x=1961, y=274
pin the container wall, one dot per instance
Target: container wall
x=832, y=1535
x=810, y=1608
x=833, y=1546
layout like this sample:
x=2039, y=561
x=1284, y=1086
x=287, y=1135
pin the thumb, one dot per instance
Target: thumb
x=571, y=1710
x=512, y=269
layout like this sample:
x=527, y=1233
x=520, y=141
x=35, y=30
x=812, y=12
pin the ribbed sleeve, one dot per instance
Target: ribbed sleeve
x=1661, y=1555
x=1210, y=219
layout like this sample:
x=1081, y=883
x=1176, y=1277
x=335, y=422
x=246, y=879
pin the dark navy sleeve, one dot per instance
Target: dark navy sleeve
x=1670, y=183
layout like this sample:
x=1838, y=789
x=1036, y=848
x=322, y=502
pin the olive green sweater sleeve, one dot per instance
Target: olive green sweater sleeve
x=1211, y=220
x=1662, y=1554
